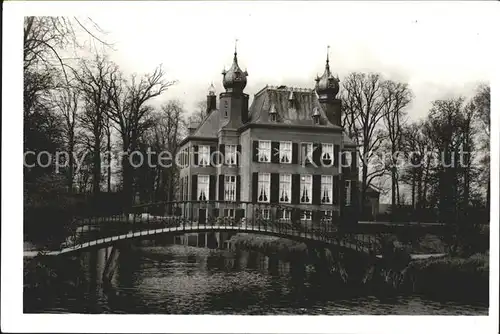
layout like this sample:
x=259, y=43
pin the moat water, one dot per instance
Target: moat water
x=167, y=276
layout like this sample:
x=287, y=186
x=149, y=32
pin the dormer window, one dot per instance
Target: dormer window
x=315, y=116
x=273, y=114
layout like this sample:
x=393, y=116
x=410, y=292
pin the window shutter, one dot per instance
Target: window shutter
x=295, y=215
x=316, y=215
x=275, y=155
x=238, y=214
x=194, y=187
x=275, y=187
x=316, y=189
x=211, y=158
x=255, y=151
x=335, y=196
x=354, y=161
x=211, y=188
x=222, y=153
x=295, y=153
x=238, y=188
x=255, y=178
x=336, y=152
x=354, y=193
x=343, y=159
x=221, y=187
x=238, y=154
x=316, y=155
x=295, y=188
x=195, y=155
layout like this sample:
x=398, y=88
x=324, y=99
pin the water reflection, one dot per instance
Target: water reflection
x=169, y=275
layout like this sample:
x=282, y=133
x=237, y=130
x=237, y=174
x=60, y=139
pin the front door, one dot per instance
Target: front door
x=202, y=216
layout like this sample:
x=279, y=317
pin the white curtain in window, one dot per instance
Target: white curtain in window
x=230, y=188
x=203, y=187
x=305, y=188
x=326, y=189
x=264, y=184
x=285, y=190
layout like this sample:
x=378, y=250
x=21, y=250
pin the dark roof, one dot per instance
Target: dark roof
x=209, y=126
x=293, y=106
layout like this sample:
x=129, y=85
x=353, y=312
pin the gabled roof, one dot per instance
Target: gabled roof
x=293, y=106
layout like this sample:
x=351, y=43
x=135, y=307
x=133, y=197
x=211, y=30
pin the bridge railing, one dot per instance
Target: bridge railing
x=279, y=219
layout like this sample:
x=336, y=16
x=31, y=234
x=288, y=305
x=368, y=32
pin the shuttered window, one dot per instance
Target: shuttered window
x=230, y=188
x=203, y=187
x=285, y=152
x=264, y=151
x=326, y=189
x=285, y=190
x=306, y=188
x=306, y=215
x=263, y=188
x=327, y=153
x=204, y=155
x=306, y=150
x=230, y=155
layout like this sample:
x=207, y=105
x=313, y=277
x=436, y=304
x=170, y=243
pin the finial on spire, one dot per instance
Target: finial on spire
x=235, y=46
x=327, y=54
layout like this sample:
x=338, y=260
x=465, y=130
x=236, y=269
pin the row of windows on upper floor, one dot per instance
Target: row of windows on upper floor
x=271, y=188
x=266, y=151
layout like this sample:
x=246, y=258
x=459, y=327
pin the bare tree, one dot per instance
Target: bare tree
x=397, y=96
x=66, y=102
x=131, y=115
x=92, y=79
x=363, y=103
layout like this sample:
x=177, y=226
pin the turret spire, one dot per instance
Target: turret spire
x=235, y=79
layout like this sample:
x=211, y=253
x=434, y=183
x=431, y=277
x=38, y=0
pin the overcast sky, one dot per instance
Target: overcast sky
x=439, y=49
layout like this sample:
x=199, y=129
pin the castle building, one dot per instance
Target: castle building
x=286, y=154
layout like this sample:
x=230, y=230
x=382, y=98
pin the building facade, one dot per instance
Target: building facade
x=286, y=154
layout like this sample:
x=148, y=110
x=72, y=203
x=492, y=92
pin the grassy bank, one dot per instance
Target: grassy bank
x=449, y=277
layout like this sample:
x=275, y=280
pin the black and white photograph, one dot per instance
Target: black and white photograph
x=205, y=158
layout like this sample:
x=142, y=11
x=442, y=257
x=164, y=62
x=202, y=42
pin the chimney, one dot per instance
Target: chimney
x=211, y=99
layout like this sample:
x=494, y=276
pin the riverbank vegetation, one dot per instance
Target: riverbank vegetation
x=464, y=277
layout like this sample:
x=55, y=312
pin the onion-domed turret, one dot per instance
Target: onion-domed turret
x=327, y=86
x=234, y=79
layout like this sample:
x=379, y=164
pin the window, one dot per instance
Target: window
x=264, y=183
x=347, y=198
x=230, y=157
x=306, y=152
x=285, y=193
x=230, y=213
x=327, y=153
x=225, y=108
x=230, y=188
x=273, y=117
x=285, y=214
x=285, y=152
x=305, y=188
x=264, y=151
x=265, y=213
x=326, y=189
x=203, y=187
x=306, y=215
x=348, y=158
x=204, y=155
x=328, y=214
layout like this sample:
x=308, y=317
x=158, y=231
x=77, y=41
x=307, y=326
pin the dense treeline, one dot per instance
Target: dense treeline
x=97, y=115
